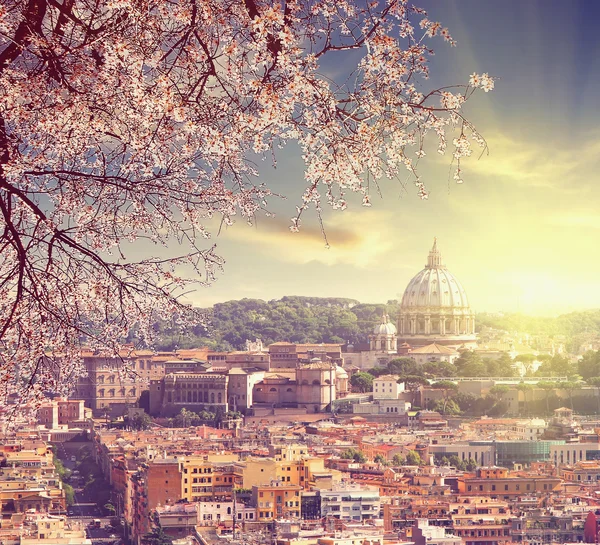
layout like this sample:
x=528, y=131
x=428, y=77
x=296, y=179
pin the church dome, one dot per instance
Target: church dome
x=435, y=287
x=385, y=327
x=435, y=307
x=340, y=372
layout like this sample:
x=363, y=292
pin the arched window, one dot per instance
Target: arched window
x=289, y=390
x=273, y=390
x=205, y=397
x=219, y=398
x=212, y=397
x=101, y=393
x=316, y=382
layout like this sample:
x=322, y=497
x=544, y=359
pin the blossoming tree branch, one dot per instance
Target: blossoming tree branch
x=127, y=121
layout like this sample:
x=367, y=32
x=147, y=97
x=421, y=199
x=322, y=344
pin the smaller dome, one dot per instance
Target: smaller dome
x=385, y=327
x=340, y=372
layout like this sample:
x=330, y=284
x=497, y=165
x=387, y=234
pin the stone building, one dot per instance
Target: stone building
x=113, y=384
x=60, y=412
x=286, y=355
x=193, y=391
x=313, y=387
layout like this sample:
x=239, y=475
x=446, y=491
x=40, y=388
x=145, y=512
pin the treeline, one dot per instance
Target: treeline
x=340, y=320
x=293, y=319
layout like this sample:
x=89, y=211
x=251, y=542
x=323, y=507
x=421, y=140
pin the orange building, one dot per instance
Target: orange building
x=60, y=412
x=498, y=482
x=164, y=478
x=276, y=501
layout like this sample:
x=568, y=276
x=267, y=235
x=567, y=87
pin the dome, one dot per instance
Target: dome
x=385, y=327
x=435, y=307
x=340, y=372
x=435, y=287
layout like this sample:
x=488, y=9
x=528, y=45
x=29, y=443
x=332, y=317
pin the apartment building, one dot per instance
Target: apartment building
x=350, y=502
x=498, y=482
x=277, y=500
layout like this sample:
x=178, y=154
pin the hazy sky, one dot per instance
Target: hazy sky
x=520, y=234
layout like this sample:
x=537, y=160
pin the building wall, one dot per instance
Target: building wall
x=240, y=389
x=387, y=387
x=192, y=391
x=164, y=483
x=350, y=503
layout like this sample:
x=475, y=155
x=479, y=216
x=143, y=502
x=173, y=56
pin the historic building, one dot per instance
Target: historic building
x=384, y=338
x=313, y=387
x=285, y=355
x=435, y=308
x=192, y=391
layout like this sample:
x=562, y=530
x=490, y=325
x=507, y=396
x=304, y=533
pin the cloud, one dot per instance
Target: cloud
x=535, y=161
x=358, y=238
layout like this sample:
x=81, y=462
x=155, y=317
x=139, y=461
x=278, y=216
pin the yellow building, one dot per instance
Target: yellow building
x=276, y=500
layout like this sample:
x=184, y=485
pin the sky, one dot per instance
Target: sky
x=521, y=234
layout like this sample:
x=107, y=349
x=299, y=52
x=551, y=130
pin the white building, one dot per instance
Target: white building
x=350, y=502
x=396, y=407
x=387, y=387
x=530, y=430
x=239, y=388
x=570, y=453
x=424, y=534
x=53, y=530
x=434, y=352
x=211, y=511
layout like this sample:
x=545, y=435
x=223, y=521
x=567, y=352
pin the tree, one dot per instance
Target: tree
x=157, y=537
x=439, y=369
x=140, y=421
x=361, y=382
x=354, y=454
x=140, y=121
x=470, y=364
x=405, y=366
x=589, y=365
x=569, y=387
x=398, y=460
x=557, y=366
x=525, y=388
x=69, y=494
x=413, y=458
x=547, y=387
x=471, y=465
x=457, y=462
x=446, y=406
x=413, y=384
x=379, y=459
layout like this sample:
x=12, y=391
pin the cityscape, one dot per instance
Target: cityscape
x=433, y=431
x=299, y=272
